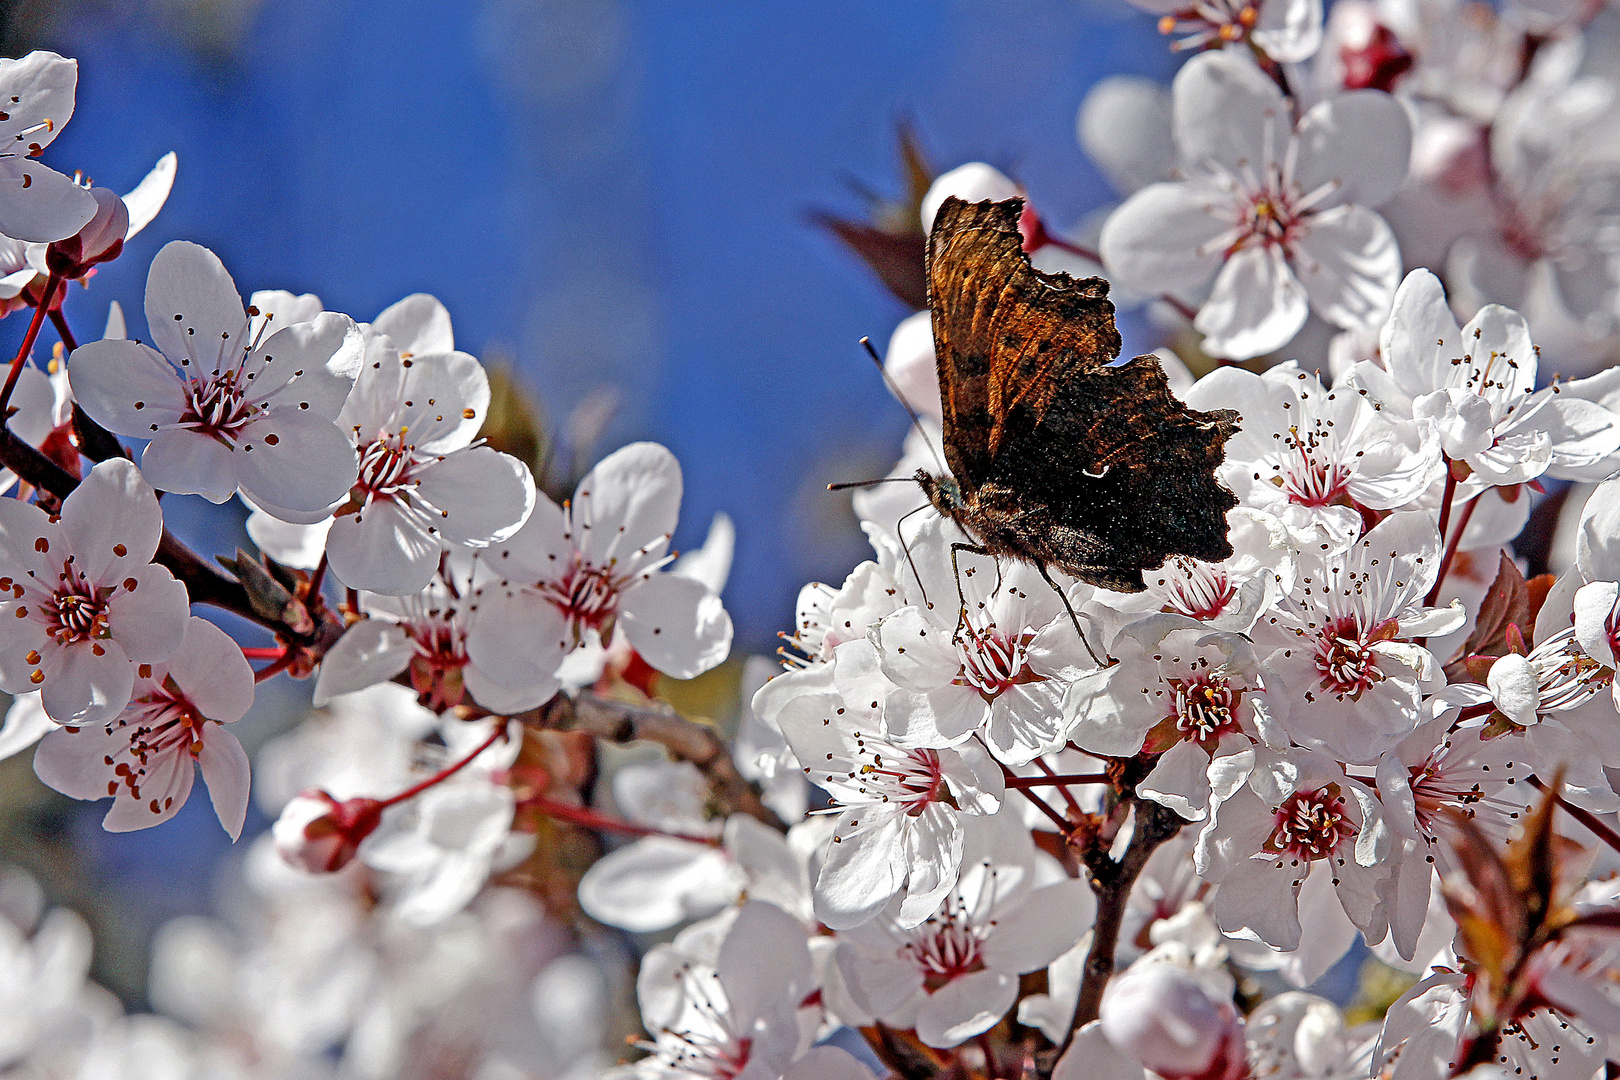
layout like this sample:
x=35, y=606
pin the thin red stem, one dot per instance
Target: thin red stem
x=447, y=772
x=1593, y=823
x=1040, y=804
x=1447, y=496
x=63, y=331
x=28, y=341
x=317, y=578
x=265, y=652
x=1073, y=249
x=590, y=819
x=1056, y=780
x=280, y=665
x=1451, y=551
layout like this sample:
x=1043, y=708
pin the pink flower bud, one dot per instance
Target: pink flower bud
x=317, y=833
x=1161, y=1016
x=99, y=241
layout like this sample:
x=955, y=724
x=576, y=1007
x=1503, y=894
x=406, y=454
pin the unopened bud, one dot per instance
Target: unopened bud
x=317, y=833
x=99, y=241
x=1162, y=1017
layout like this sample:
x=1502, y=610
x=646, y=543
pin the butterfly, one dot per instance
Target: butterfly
x=1057, y=457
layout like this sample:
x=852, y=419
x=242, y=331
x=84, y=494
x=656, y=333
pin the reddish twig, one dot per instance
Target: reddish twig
x=447, y=772
x=1593, y=823
x=1057, y=780
x=585, y=817
x=28, y=341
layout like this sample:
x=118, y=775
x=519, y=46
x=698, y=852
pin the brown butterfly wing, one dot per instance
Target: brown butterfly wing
x=1096, y=469
x=1005, y=333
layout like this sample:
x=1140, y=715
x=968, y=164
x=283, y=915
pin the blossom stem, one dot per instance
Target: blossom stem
x=1057, y=780
x=28, y=340
x=991, y=1070
x=63, y=331
x=1593, y=823
x=281, y=664
x=1073, y=249
x=1446, y=497
x=590, y=819
x=1068, y=797
x=445, y=773
x=317, y=578
x=1451, y=551
x=267, y=652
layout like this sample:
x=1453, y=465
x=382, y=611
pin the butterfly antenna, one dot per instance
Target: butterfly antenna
x=846, y=485
x=916, y=421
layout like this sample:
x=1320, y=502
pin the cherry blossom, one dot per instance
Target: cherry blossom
x=87, y=605
x=38, y=204
x=955, y=974
x=1000, y=664
x=596, y=562
x=1287, y=31
x=148, y=756
x=899, y=810
x=1279, y=218
x=1297, y=815
x=1352, y=672
x=1164, y=1017
x=224, y=407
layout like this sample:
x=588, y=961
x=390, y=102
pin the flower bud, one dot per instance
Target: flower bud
x=99, y=241
x=1161, y=1016
x=317, y=833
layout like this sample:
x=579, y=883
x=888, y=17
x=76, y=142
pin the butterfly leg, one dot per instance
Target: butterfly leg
x=961, y=598
x=1072, y=616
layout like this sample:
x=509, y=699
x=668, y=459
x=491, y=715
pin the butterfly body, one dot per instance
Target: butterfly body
x=1056, y=456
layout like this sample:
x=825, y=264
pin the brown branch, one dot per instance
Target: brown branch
x=621, y=722
x=1112, y=882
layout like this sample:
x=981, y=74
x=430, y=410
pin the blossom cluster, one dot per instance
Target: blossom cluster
x=997, y=825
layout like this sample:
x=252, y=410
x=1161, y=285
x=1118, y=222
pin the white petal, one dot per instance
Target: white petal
x=187, y=463
x=125, y=387
x=25, y=723
x=656, y=882
x=1360, y=142
x=629, y=501
x=39, y=204
x=1092, y=1057
x=761, y=930
x=676, y=624
x=369, y=652
x=148, y=621
x=1421, y=338
x=150, y=194
x=1256, y=305
x=965, y=1006
x=210, y=668
x=1042, y=928
x=81, y=687
x=225, y=770
x=112, y=520
x=382, y=549
x=482, y=496
x=42, y=86
x=1594, y=605
x=288, y=543
x=73, y=762
x=518, y=640
x=418, y=324
x=1158, y=241
x=308, y=364
x=1350, y=265
x=445, y=399
x=860, y=874
x=295, y=460
x=1124, y=127
x=193, y=310
x=1289, y=31
x=1229, y=113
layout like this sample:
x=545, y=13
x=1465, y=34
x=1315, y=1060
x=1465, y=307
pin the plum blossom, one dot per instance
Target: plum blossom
x=148, y=756
x=724, y=1013
x=1279, y=218
x=1351, y=671
x=38, y=204
x=1287, y=31
x=999, y=665
x=425, y=634
x=1310, y=456
x=955, y=974
x=899, y=810
x=1164, y=1016
x=1297, y=815
x=225, y=407
x=1193, y=698
x=596, y=562
x=87, y=604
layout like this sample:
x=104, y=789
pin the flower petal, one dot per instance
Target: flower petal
x=369, y=652
x=1159, y=240
x=629, y=502
x=39, y=204
x=482, y=495
x=1359, y=142
x=112, y=521
x=225, y=770
x=1229, y=114
x=676, y=624
x=1257, y=305
x=83, y=686
x=186, y=463
x=210, y=668
x=193, y=310
x=147, y=615
x=382, y=549
x=295, y=460
x=418, y=324
x=1350, y=266
x=125, y=386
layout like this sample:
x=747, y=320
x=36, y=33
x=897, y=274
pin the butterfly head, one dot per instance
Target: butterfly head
x=943, y=492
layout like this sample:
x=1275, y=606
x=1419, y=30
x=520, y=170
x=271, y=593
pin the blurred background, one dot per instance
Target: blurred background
x=613, y=197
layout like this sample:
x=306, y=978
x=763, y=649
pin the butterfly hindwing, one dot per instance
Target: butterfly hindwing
x=1061, y=458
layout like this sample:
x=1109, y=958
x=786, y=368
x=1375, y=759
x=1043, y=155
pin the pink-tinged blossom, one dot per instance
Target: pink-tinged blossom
x=1192, y=698
x=36, y=203
x=1310, y=456
x=1351, y=671
x=722, y=1014
x=1166, y=1018
x=317, y=833
x=86, y=604
x=596, y=562
x=1297, y=815
x=955, y=974
x=1476, y=387
x=998, y=666
x=148, y=756
x=425, y=635
x=899, y=809
x=226, y=406
x=1277, y=215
